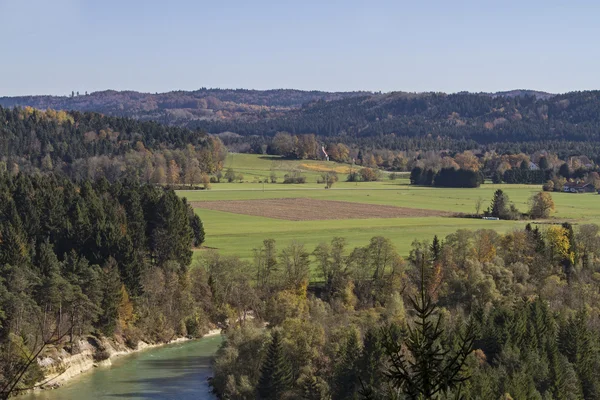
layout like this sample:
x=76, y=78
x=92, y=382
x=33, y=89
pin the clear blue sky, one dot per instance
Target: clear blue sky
x=55, y=46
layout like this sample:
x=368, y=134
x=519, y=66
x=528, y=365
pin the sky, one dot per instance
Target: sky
x=59, y=46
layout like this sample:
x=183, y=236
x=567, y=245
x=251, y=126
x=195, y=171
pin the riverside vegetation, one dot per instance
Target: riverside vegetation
x=475, y=315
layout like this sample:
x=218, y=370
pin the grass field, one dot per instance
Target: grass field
x=260, y=167
x=238, y=233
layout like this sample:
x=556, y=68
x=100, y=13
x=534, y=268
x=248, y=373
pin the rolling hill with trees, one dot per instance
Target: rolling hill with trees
x=182, y=107
x=511, y=121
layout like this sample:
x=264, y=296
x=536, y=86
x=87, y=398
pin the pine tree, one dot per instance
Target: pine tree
x=347, y=379
x=111, y=298
x=197, y=228
x=172, y=236
x=436, y=248
x=543, y=163
x=314, y=388
x=275, y=374
x=578, y=342
x=433, y=372
x=499, y=206
x=371, y=372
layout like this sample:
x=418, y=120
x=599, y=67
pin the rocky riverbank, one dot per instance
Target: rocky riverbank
x=59, y=366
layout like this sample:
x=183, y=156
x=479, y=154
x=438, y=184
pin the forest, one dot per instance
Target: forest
x=565, y=124
x=509, y=122
x=182, y=107
x=92, y=258
x=90, y=145
x=476, y=315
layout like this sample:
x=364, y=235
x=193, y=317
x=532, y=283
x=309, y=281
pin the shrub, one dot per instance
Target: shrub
x=548, y=186
x=294, y=177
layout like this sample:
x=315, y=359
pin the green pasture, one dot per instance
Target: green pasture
x=239, y=234
x=254, y=167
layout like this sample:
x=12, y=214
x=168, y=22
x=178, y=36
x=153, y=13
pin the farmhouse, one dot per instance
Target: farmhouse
x=578, y=187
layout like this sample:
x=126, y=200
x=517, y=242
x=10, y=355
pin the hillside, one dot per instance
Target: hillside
x=482, y=117
x=517, y=120
x=182, y=107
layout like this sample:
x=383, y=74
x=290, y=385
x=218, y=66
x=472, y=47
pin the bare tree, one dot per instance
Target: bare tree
x=17, y=367
x=478, y=204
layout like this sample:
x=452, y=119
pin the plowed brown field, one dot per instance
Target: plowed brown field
x=304, y=209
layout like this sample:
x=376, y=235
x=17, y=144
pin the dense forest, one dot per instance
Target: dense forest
x=92, y=258
x=90, y=145
x=477, y=315
x=567, y=124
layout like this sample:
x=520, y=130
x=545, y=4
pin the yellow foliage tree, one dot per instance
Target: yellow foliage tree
x=541, y=205
x=557, y=238
x=467, y=160
x=125, y=309
x=484, y=246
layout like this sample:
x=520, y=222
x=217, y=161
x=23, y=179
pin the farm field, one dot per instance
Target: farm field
x=234, y=226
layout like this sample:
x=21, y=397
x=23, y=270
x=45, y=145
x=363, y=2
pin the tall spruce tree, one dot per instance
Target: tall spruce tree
x=432, y=371
x=347, y=378
x=499, y=206
x=275, y=374
x=436, y=248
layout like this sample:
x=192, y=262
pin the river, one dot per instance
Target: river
x=173, y=372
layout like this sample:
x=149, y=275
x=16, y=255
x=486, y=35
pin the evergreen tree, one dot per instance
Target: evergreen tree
x=172, y=236
x=347, y=378
x=197, y=228
x=436, y=249
x=275, y=373
x=499, y=206
x=564, y=171
x=580, y=345
x=432, y=371
x=111, y=298
x=371, y=374
x=524, y=165
x=544, y=163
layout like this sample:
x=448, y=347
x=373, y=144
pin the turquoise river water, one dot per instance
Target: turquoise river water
x=173, y=372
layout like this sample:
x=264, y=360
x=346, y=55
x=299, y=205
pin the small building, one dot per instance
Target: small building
x=578, y=187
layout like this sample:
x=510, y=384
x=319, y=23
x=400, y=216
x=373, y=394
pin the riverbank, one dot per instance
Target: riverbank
x=176, y=371
x=61, y=366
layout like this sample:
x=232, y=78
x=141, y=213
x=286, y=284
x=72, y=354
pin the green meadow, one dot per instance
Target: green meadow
x=238, y=234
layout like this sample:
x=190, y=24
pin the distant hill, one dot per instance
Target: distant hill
x=395, y=120
x=524, y=92
x=508, y=116
x=182, y=107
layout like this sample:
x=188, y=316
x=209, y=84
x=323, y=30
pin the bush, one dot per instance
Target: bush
x=548, y=186
x=101, y=355
x=369, y=174
x=294, y=177
x=353, y=177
